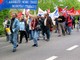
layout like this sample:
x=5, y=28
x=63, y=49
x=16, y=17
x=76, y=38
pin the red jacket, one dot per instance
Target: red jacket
x=33, y=24
x=69, y=21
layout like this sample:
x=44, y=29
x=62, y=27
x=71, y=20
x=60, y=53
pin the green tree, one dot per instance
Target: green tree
x=3, y=13
x=45, y=4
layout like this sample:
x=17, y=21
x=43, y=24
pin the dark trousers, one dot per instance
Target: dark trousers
x=73, y=25
x=47, y=32
x=22, y=34
x=43, y=32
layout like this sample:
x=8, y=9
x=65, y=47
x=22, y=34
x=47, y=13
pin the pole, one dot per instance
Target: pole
x=34, y=12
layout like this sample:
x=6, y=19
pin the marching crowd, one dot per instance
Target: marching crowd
x=31, y=28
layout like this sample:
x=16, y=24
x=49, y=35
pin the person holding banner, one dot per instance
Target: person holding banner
x=14, y=31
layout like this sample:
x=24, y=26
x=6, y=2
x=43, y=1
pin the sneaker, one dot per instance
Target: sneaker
x=44, y=38
x=20, y=42
x=17, y=45
x=14, y=50
x=55, y=31
x=59, y=35
x=35, y=45
x=26, y=42
x=69, y=33
x=38, y=39
x=47, y=40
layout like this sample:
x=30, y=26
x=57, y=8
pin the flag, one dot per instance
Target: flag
x=64, y=11
x=23, y=11
x=76, y=13
x=19, y=15
x=60, y=9
x=27, y=12
x=40, y=12
x=54, y=15
x=71, y=10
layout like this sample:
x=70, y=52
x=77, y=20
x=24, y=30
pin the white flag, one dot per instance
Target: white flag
x=23, y=11
x=54, y=15
x=40, y=11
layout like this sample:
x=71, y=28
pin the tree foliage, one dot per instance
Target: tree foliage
x=3, y=13
x=46, y=4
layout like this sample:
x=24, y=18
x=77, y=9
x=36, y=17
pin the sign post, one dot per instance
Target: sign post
x=18, y=4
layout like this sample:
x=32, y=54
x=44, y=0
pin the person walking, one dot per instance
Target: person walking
x=69, y=24
x=6, y=24
x=61, y=24
x=78, y=23
x=34, y=31
x=47, y=26
x=14, y=31
x=23, y=30
x=29, y=27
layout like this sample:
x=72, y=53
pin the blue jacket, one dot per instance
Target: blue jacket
x=15, y=26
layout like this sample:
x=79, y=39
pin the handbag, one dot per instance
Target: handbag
x=8, y=31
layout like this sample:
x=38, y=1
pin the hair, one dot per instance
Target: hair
x=6, y=17
x=15, y=15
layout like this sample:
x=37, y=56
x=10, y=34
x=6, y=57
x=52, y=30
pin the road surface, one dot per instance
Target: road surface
x=58, y=48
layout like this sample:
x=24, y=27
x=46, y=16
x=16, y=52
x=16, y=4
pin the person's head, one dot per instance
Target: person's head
x=14, y=15
x=22, y=16
x=39, y=15
x=6, y=17
x=46, y=15
x=60, y=13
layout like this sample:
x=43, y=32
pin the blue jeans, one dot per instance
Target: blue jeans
x=69, y=30
x=30, y=34
x=35, y=36
x=8, y=37
x=14, y=40
x=38, y=34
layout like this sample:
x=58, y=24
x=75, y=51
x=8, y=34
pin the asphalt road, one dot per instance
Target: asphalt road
x=58, y=48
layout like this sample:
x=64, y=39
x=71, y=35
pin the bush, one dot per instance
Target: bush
x=3, y=13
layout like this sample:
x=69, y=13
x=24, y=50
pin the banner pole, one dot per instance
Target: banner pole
x=34, y=12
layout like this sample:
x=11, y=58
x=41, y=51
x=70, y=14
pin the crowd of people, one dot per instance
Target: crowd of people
x=31, y=28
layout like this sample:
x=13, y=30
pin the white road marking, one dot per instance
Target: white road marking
x=73, y=47
x=52, y=58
